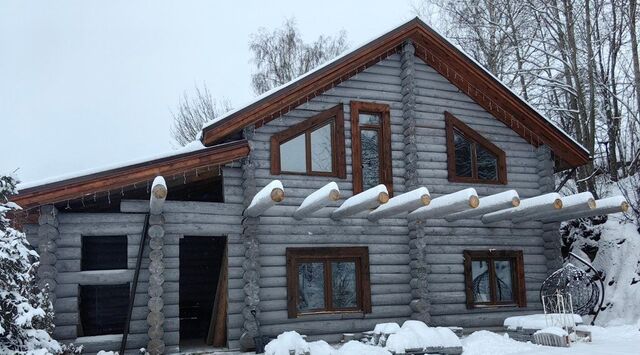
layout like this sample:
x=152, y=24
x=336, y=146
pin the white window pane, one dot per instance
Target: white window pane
x=343, y=277
x=310, y=286
x=480, y=276
x=504, y=280
x=321, y=156
x=293, y=156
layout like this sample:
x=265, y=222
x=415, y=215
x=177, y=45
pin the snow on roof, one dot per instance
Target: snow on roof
x=358, y=47
x=191, y=147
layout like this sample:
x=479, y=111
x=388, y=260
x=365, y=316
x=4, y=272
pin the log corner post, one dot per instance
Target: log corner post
x=550, y=231
x=417, y=243
x=251, y=263
x=47, y=246
x=155, y=317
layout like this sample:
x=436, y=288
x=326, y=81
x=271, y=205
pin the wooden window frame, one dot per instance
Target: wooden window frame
x=384, y=132
x=333, y=116
x=517, y=277
x=453, y=124
x=360, y=255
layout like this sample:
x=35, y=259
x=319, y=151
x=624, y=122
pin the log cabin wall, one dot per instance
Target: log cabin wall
x=179, y=219
x=388, y=241
x=529, y=171
x=422, y=263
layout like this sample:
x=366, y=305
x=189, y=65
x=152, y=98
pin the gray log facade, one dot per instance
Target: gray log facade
x=416, y=269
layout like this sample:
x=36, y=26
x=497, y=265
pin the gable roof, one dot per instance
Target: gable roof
x=467, y=75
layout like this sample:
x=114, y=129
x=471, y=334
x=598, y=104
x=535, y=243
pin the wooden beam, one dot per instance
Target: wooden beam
x=406, y=202
x=158, y=195
x=547, y=202
x=266, y=198
x=604, y=206
x=363, y=201
x=580, y=202
x=317, y=200
x=447, y=204
x=488, y=204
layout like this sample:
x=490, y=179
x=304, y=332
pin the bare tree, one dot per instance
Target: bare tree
x=193, y=112
x=281, y=55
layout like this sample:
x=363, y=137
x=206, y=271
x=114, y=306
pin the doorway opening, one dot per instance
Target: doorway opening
x=203, y=292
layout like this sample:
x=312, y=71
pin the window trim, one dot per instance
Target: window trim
x=295, y=256
x=334, y=116
x=451, y=124
x=386, y=170
x=517, y=270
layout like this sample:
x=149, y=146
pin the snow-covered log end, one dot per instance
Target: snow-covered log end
x=363, y=201
x=267, y=197
x=318, y=199
x=159, y=193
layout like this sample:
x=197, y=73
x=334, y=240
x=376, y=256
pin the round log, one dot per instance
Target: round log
x=155, y=291
x=156, y=231
x=155, y=319
x=277, y=195
x=155, y=332
x=155, y=304
x=155, y=347
x=156, y=243
x=156, y=255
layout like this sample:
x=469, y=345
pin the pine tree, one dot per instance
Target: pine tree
x=26, y=314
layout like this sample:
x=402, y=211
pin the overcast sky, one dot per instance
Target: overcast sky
x=85, y=84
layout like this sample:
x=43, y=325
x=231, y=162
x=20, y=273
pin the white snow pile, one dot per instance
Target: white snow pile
x=412, y=334
x=102, y=352
x=538, y=321
x=553, y=330
x=606, y=341
x=416, y=334
x=386, y=328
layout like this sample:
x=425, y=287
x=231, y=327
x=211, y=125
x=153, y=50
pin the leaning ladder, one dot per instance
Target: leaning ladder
x=132, y=295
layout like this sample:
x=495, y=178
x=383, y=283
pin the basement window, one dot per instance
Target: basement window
x=104, y=252
x=471, y=157
x=312, y=147
x=328, y=280
x=103, y=309
x=494, y=278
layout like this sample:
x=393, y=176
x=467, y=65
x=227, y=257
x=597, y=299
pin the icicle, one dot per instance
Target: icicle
x=109, y=196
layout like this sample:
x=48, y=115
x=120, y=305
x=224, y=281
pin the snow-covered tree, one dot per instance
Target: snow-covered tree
x=26, y=314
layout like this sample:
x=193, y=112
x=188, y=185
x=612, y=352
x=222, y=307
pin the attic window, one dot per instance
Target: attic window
x=471, y=157
x=371, y=145
x=312, y=147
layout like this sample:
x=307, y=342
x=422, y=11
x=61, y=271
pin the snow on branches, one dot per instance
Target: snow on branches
x=26, y=314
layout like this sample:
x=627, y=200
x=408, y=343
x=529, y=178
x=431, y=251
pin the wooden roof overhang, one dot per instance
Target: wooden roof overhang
x=444, y=57
x=123, y=176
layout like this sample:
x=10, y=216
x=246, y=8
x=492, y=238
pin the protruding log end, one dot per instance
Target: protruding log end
x=334, y=195
x=557, y=204
x=383, y=197
x=591, y=203
x=159, y=192
x=624, y=206
x=515, y=202
x=277, y=195
x=425, y=199
x=474, y=201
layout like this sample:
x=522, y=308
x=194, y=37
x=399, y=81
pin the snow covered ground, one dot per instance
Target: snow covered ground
x=616, y=340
